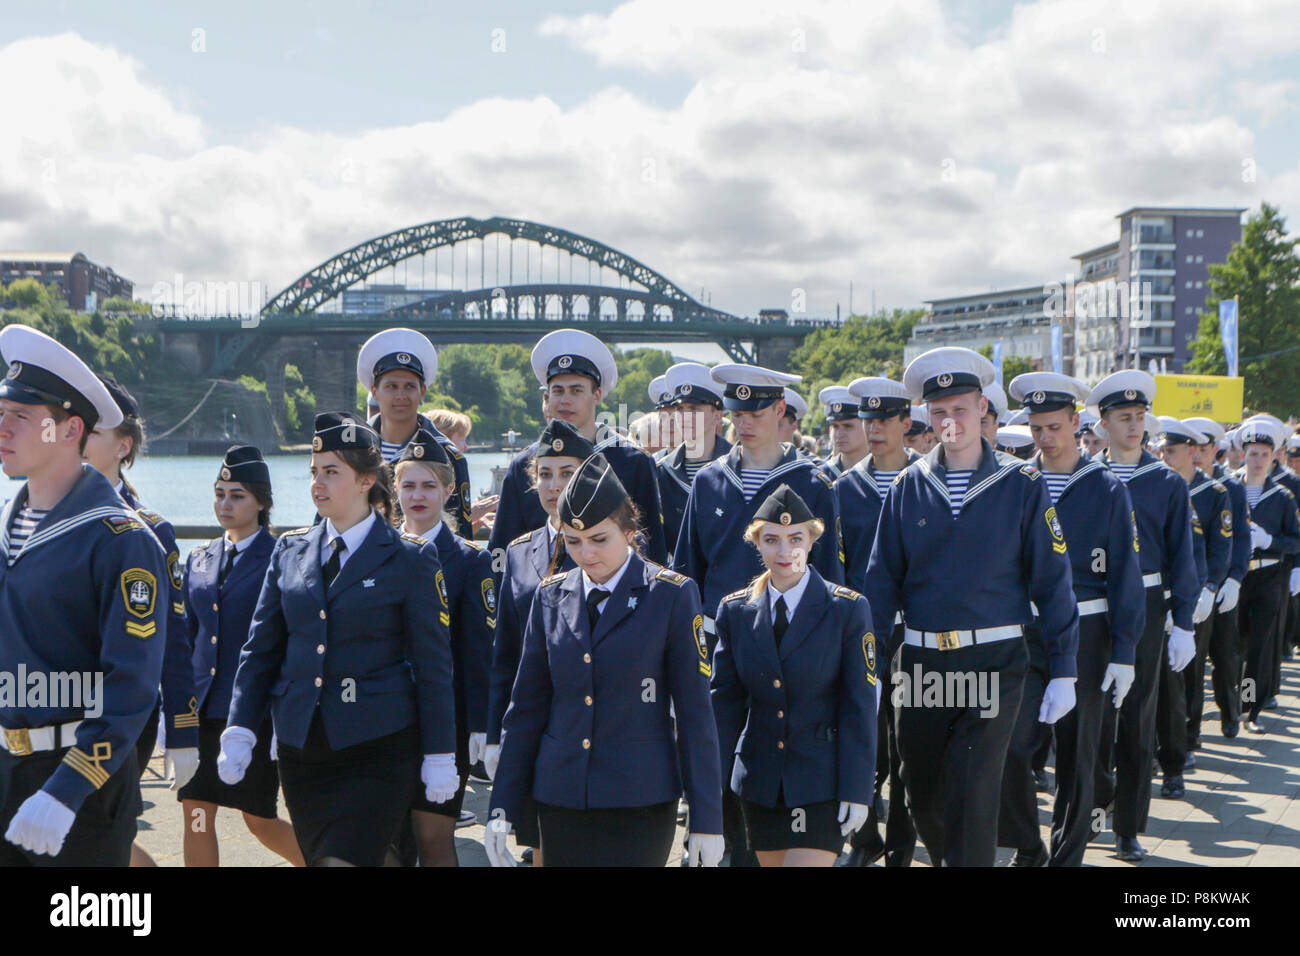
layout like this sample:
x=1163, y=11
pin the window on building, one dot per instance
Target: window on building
x=1189, y=258
x=1200, y=233
x=1189, y=233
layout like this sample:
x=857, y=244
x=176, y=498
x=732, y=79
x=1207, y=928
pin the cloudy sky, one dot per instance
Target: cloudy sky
x=749, y=149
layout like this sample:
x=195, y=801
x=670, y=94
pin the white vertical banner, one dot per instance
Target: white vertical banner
x=1228, y=333
x=1056, y=349
x=997, y=360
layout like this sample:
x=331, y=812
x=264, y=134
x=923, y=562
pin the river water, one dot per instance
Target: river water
x=180, y=487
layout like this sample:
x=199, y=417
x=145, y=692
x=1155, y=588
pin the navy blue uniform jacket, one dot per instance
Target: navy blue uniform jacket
x=1097, y=519
x=1214, y=515
x=981, y=569
x=712, y=549
x=1275, y=512
x=218, y=616
x=859, y=500
x=88, y=594
x=1239, y=561
x=675, y=487
x=458, y=503
x=179, y=704
x=815, y=696
x=374, y=653
x=1163, y=508
x=520, y=509
x=528, y=562
x=472, y=597
x=588, y=725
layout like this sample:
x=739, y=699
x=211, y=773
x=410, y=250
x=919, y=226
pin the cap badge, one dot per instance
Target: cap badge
x=565, y=361
x=873, y=401
x=577, y=523
x=945, y=379
x=557, y=445
x=1130, y=394
x=785, y=517
x=1038, y=398
x=225, y=474
x=742, y=392
x=316, y=443
x=417, y=451
x=403, y=358
x=838, y=406
x=684, y=388
x=14, y=369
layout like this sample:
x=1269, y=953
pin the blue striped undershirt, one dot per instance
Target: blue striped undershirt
x=957, y=482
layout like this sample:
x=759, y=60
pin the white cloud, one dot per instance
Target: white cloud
x=820, y=143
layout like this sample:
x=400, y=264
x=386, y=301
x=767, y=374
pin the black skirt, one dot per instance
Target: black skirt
x=255, y=794
x=348, y=803
x=619, y=836
x=780, y=827
x=448, y=808
x=526, y=829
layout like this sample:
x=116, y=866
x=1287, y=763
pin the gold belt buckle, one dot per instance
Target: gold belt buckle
x=19, y=742
x=949, y=640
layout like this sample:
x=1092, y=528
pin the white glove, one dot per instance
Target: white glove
x=476, y=744
x=1182, y=648
x=181, y=763
x=1204, y=605
x=275, y=746
x=852, y=816
x=1121, y=675
x=1169, y=621
x=1058, y=700
x=1229, y=591
x=495, y=841
x=237, y=745
x=1259, y=538
x=491, y=757
x=1295, y=581
x=705, y=849
x=41, y=824
x=438, y=774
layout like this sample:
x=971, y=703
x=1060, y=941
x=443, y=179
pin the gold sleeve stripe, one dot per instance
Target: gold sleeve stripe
x=88, y=767
x=185, y=720
x=142, y=631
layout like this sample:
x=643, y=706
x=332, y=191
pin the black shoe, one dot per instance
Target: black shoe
x=1042, y=782
x=1230, y=728
x=478, y=773
x=527, y=858
x=1129, y=850
x=1172, y=788
x=1193, y=743
x=1270, y=704
x=1256, y=727
x=1189, y=762
x=865, y=855
x=1035, y=857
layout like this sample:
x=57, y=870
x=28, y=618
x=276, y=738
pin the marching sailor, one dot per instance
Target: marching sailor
x=997, y=413
x=794, y=693
x=1162, y=510
x=920, y=437
x=967, y=538
x=1096, y=519
x=665, y=433
x=69, y=779
x=577, y=370
x=397, y=366
x=588, y=732
x=885, y=409
x=697, y=398
x=848, y=436
x=795, y=410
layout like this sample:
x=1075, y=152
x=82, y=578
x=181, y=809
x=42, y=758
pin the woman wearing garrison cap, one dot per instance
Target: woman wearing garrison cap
x=794, y=694
x=349, y=651
x=589, y=732
x=223, y=579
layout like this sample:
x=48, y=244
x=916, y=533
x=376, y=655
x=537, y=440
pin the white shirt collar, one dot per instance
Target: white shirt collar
x=352, y=538
x=791, y=596
x=610, y=585
x=550, y=534
x=432, y=534
x=240, y=546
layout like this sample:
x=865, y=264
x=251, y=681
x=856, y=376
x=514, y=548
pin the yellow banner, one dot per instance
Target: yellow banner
x=1199, y=396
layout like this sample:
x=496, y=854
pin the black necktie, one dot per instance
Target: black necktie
x=226, y=566
x=332, y=565
x=781, y=622
x=594, y=597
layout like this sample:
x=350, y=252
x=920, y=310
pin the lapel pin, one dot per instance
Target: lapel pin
x=631, y=602
x=368, y=583
x=718, y=512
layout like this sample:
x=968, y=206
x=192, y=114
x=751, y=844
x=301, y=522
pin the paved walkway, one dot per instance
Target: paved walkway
x=1242, y=806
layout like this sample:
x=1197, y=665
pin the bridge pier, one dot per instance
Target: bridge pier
x=774, y=352
x=333, y=380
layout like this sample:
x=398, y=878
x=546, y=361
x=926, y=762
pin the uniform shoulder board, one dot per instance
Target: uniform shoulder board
x=555, y=579
x=842, y=591
x=826, y=479
x=413, y=538
x=453, y=452
x=1029, y=470
x=123, y=522
x=476, y=545
x=152, y=517
x=672, y=577
x=522, y=538
x=898, y=478
x=1220, y=488
x=295, y=531
x=741, y=595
